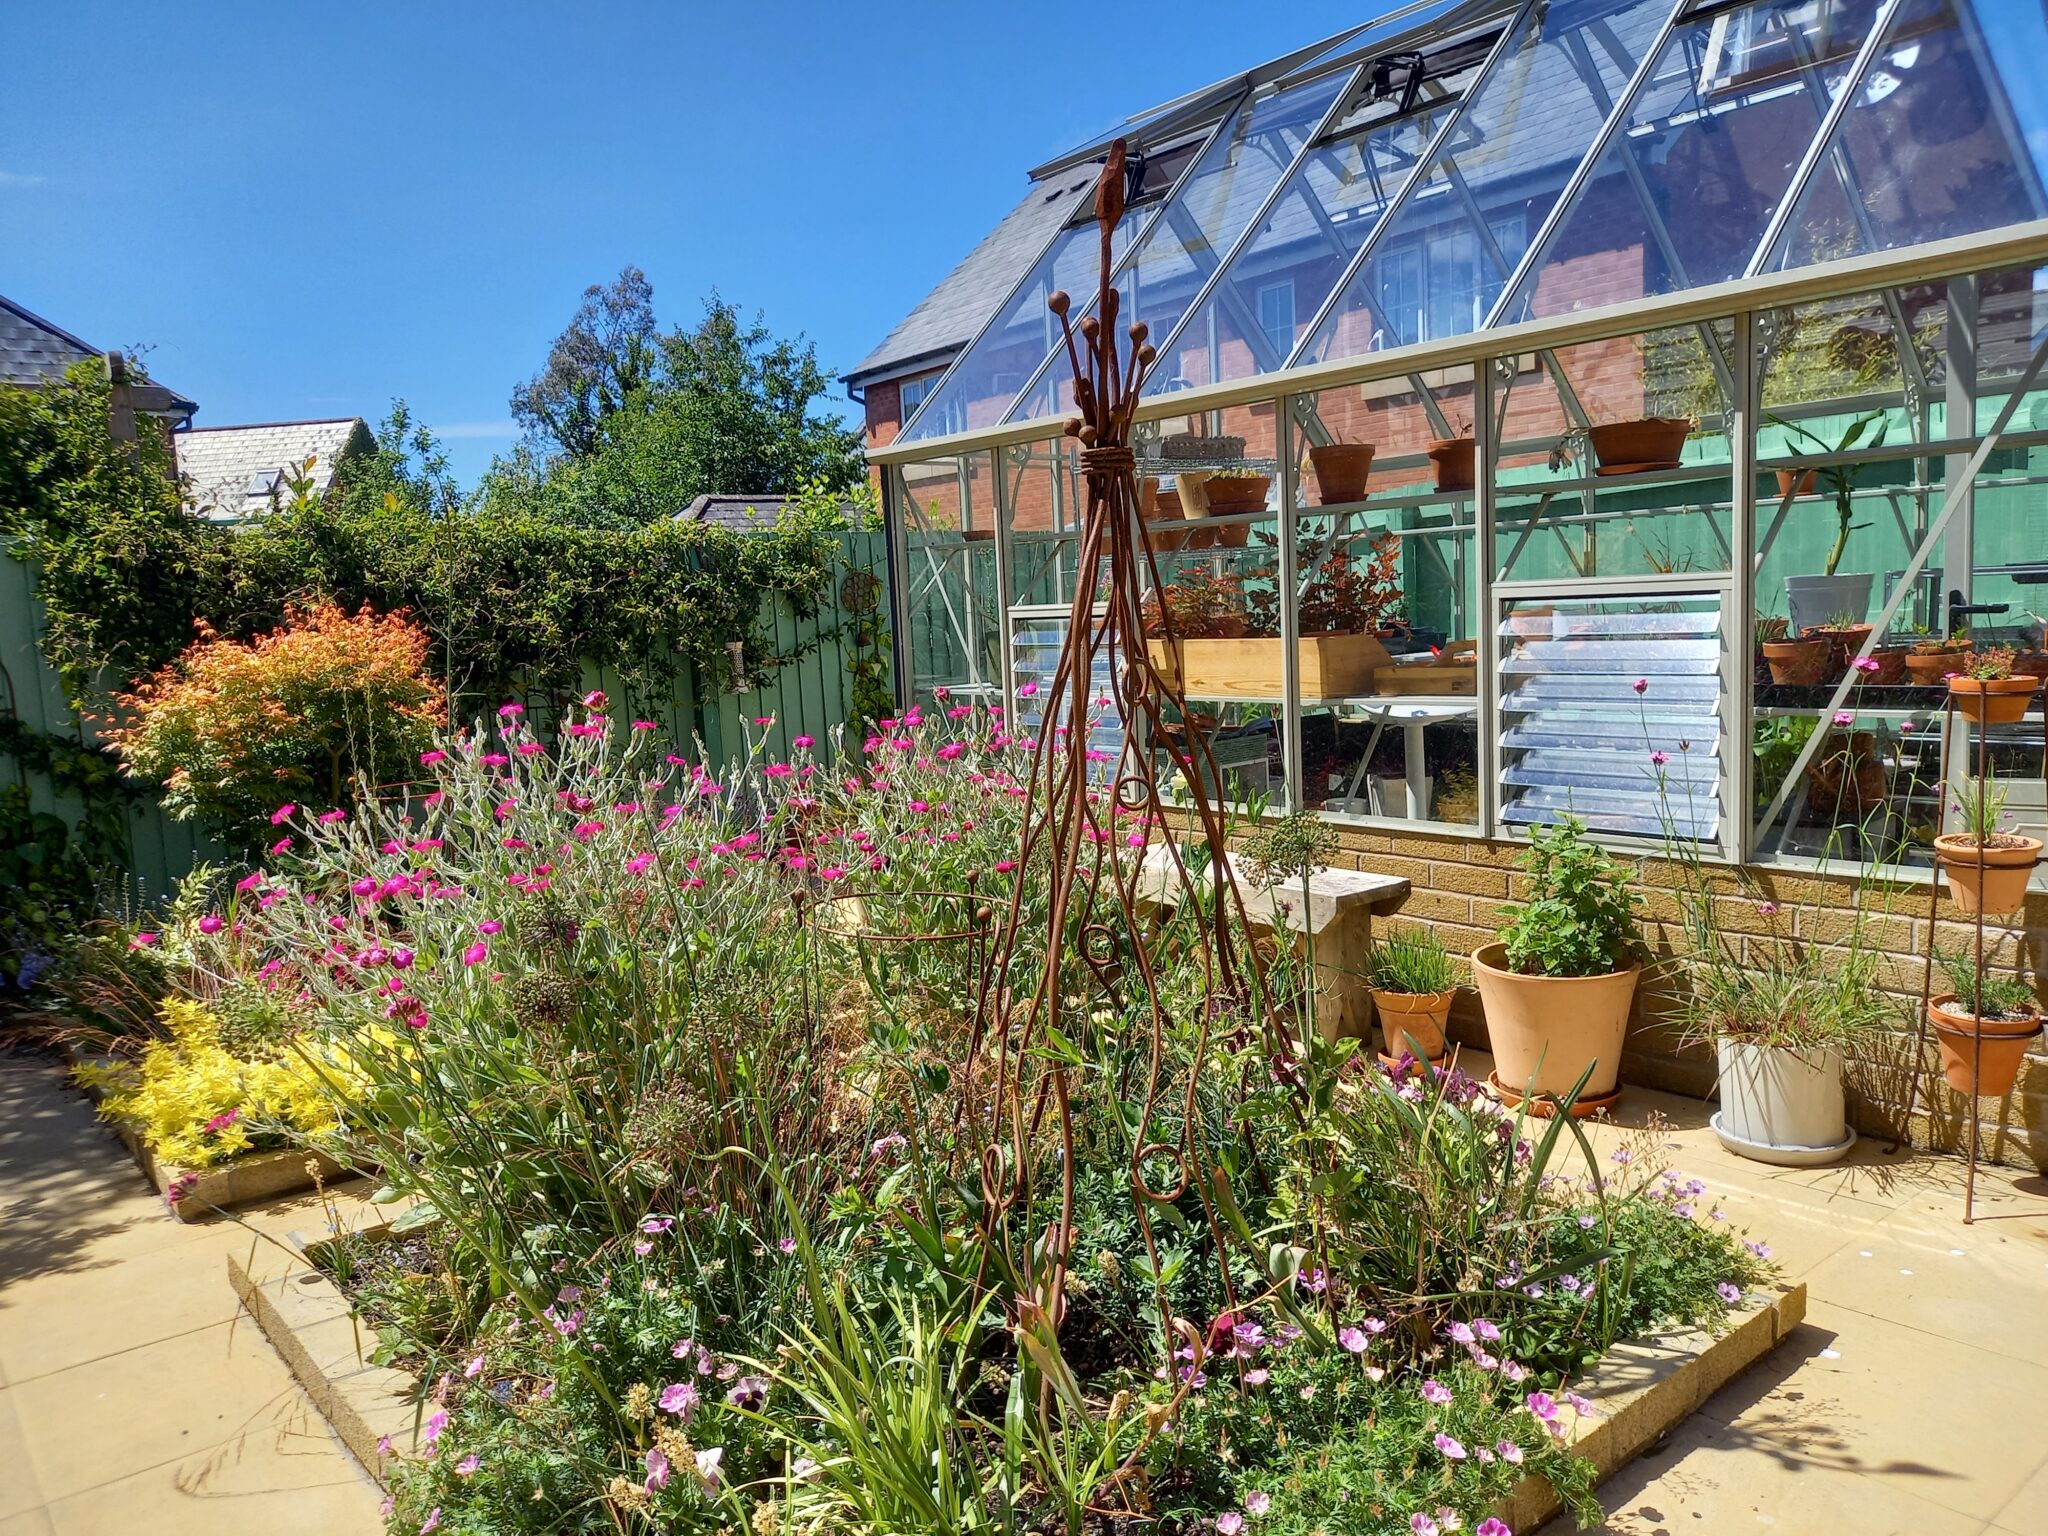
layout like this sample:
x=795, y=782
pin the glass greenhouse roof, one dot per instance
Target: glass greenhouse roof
x=1450, y=167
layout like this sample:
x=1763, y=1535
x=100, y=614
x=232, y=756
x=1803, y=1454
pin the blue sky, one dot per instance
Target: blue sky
x=307, y=211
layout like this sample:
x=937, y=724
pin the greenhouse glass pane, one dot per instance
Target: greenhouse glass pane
x=1687, y=189
x=1439, y=263
x=1276, y=284
x=1203, y=220
x=1946, y=135
x=1405, y=18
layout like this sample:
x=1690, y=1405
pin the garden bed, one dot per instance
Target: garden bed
x=1642, y=1389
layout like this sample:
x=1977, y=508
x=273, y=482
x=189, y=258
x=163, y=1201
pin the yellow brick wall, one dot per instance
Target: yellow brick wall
x=1461, y=885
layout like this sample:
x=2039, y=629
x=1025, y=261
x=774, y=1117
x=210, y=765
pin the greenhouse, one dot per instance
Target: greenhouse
x=1594, y=406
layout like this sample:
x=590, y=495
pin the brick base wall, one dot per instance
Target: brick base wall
x=1462, y=883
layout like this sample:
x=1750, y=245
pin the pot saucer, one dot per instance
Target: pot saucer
x=1583, y=1108
x=1636, y=469
x=1784, y=1157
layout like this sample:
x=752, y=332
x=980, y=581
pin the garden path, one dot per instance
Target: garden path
x=136, y=1397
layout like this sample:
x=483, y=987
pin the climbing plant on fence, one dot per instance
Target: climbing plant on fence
x=510, y=599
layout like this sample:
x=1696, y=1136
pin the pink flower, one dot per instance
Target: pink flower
x=142, y=941
x=1543, y=1405
x=468, y=1465
x=222, y=1121
x=657, y=1469
x=1027, y=691
x=1866, y=664
x=679, y=1398
x=490, y=927
x=1450, y=1448
x=430, y=1433
x=432, y=1522
x=1659, y=759
x=643, y=725
x=709, y=1475
x=1229, y=1523
x=474, y=955
x=1508, y=1452
x=282, y=814
x=212, y=923
x=1492, y=1526
x=594, y=699
x=432, y=757
x=1422, y=1525
x=1641, y=685
x=1459, y=1333
x=1257, y=1502
x=1581, y=1407
x=804, y=743
x=511, y=711
x=1845, y=717
x=474, y=1369
x=282, y=845
x=639, y=864
x=329, y=818
x=778, y=770
x=252, y=881
x=1434, y=1391
x=1767, y=909
x=1352, y=1339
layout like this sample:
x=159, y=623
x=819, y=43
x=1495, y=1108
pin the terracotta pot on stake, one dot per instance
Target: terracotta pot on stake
x=1547, y=1030
x=1991, y=877
x=1981, y=1057
x=1993, y=700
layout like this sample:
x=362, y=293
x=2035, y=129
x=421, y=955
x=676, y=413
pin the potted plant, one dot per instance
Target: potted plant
x=1342, y=470
x=1161, y=506
x=1457, y=797
x=1452, y=459
x=1649, y=442
x=2033, y=661
x=1812, y=598
x=1982, y=1026
x=1233, y=491
x=1557, y=986
x=1846, y=776
x=1986, y=868
x=1889, y=663
x=1801, y=663
x=1845, y=634
x=1933, y=657
x=1985, y=689
x=1413, y=984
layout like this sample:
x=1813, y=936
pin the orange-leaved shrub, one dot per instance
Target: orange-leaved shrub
x=233, y=730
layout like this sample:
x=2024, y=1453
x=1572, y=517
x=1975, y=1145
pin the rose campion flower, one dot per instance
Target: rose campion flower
x=476, y=953
x=212, y=923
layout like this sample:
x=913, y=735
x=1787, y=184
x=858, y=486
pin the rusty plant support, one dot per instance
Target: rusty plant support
x=1073, y=830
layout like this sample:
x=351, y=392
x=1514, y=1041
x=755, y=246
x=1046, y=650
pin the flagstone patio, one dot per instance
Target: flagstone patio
x=137, y=1397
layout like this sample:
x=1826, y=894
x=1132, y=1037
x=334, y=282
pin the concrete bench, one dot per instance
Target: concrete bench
x=1338, y=913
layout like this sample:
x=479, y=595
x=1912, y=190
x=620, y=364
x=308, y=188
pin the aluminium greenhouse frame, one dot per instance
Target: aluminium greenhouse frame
x=1741, y=305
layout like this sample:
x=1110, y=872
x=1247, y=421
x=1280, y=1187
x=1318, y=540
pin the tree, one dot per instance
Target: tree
x=628, y=423
x=607, y=355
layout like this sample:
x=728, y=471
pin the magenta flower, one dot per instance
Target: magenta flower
x=1844, y=717
x=282, y=814
x=253, y=881
x=1659, y=759
x=1508, y=1452
x=142, y=941
x=1641, y=685
x=1543, y=1405
x=1492, y=1526
x=490, y=927
x=1422, y=1525
x=1449, y=1448
x=639, y=864
x=511, y=711
x=329, y=818
x=212, y=923
x=432, y=757
x=430, y=1432
x=804, y=743
x=643, y=725
x=468, y=1465
x=1460, y=1333
x=474, y=955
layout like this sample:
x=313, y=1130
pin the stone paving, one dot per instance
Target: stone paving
x=137, y=1398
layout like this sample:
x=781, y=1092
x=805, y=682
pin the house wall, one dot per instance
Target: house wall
x=1463, y=884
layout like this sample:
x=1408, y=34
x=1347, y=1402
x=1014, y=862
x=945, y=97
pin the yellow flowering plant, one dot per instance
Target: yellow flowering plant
x=195, y=1103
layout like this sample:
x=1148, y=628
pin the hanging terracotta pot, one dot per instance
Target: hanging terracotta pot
x=1452, y=459
x=1993, y=700
x=1413, y=1022
x=1993, y=877
x=1797, y=662
x=1981, y=1056
x=1342, y=470
x=1652, y=442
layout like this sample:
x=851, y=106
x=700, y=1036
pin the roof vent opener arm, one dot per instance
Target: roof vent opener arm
x=1411, y=82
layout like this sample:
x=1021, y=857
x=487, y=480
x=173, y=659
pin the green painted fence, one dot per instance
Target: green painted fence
x=811, y=695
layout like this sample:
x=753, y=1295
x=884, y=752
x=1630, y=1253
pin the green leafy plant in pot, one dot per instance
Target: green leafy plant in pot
x=1982, y=1024
x=1987, y=867
x=1814, y=598
x=1557, y=986
x=1413, y=984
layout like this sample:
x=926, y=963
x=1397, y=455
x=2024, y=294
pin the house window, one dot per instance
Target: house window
x=911, y=394
x=1446, y=285
x=1276, y=317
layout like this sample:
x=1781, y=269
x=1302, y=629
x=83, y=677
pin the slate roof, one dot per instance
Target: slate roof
x=947, y=317
x=233, y=473
x=33, y=351
x=742, y=513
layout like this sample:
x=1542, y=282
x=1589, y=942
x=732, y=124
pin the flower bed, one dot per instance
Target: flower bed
x=686, y=1078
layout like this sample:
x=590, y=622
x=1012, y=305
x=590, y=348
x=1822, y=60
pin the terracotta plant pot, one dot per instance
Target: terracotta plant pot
x=1233, y=535
x=1991, y=878
x=1451, y=458
x=1891, y=666
x=1844, y=641
x=1414, y=1022
x=1342, y=470
x=2031, y=664
x=977, y=535
x=1163, y=534
x=1993, y=700
x=1547, y=1030
x=1237, y=493
x=1981, y=1056
x=1801, y=662
x=1846, y=774
x=1653, y=442
x=1927, y=668
x=1787, y=479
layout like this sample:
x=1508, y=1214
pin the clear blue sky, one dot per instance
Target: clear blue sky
x=306, y=211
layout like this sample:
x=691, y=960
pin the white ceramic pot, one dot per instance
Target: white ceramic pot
x=1782, y=1106
x=1815, y=600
